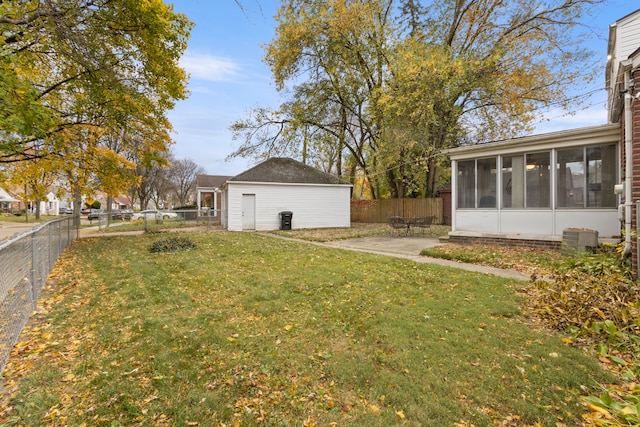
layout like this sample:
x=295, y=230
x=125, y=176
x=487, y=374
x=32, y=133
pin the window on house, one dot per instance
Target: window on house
x=586, y=176
x=466, y=197
x=486, y=176
x=537, y=180
x=513, y=181
x=570, y=178
x=601, y=176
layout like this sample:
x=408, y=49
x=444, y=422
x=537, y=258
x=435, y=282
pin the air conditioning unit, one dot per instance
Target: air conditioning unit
x=580, y=239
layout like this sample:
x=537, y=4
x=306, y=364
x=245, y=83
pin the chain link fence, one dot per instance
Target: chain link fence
x=25, y=263
x=152, y=218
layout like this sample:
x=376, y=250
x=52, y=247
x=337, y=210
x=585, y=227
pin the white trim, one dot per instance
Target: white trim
x=287, y=184
x=594, y=135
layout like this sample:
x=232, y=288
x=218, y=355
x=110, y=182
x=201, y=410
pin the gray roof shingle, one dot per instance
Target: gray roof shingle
x=289, y=171
x=211, y=181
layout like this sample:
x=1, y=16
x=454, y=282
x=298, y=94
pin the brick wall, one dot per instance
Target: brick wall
x=508, y=242
x=635, y=106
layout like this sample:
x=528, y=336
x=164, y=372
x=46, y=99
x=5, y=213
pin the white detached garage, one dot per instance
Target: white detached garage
x=254, y=199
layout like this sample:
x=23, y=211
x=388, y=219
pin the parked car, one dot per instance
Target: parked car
x=152, y=215
x=95, y=214
x=85, y=211
x=67, y=211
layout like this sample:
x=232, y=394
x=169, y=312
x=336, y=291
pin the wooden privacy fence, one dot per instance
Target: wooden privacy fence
x=376, y=211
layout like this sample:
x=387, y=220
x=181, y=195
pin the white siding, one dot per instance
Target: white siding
x=537, y=223
x=628, y=37
x=477, y=220
x=605, y=221
x=313, y=206
x=624, y=39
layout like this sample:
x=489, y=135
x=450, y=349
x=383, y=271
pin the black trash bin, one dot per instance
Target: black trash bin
x=285, y=220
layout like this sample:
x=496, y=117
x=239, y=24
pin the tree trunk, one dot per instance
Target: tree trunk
x=77, y=206
x=109, y=208
x=393, y=184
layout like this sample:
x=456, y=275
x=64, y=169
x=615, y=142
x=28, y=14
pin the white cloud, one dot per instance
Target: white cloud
x=208, y=67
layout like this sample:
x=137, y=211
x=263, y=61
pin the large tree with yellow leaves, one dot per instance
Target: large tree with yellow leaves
x=390, y=83
x=75, y=75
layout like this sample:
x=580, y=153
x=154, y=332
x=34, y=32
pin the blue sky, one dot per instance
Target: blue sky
x=229, y=77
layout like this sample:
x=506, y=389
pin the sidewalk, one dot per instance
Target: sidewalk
x=9, y=229
x=410, y=248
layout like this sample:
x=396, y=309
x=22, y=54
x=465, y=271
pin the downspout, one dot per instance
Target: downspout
x=628, y=169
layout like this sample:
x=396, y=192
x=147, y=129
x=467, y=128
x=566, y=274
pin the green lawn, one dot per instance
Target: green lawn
x=253, y=330
x=31, y=219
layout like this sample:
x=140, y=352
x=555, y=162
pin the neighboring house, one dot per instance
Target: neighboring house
x=65, y=204
x=209, y=192
x=50, y=206
x=122, y=202
x=118, y=202
x=8, y=203
x=530, y=190
x=254, y=199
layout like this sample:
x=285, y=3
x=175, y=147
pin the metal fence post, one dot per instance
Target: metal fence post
x=34, y=274
x=49, y=248
x=60, y=240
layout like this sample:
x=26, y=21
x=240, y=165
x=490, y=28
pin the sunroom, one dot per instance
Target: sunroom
x=533, y=188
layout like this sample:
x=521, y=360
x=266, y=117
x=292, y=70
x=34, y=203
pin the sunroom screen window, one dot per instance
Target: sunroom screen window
x=466, y=197
x=487, y=183
x=601, y=176
x=513, y=182
x=586, y=176
x=570, y=178
x=538, y=190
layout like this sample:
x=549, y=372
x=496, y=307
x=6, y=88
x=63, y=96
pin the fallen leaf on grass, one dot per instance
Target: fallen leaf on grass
x=374, y=409
x=600, y=410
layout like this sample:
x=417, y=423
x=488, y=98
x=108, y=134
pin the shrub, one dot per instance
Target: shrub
x=596, y=297
x=585, y=290
x=172, y=244
x=185, y=208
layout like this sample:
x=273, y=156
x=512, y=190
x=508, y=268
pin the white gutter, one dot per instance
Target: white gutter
x=628, y=169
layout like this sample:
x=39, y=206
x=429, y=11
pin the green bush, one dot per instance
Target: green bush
x=185, y=208
x=172, y=244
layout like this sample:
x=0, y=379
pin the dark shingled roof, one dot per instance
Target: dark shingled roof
x=211, y=181
x=287, y=171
